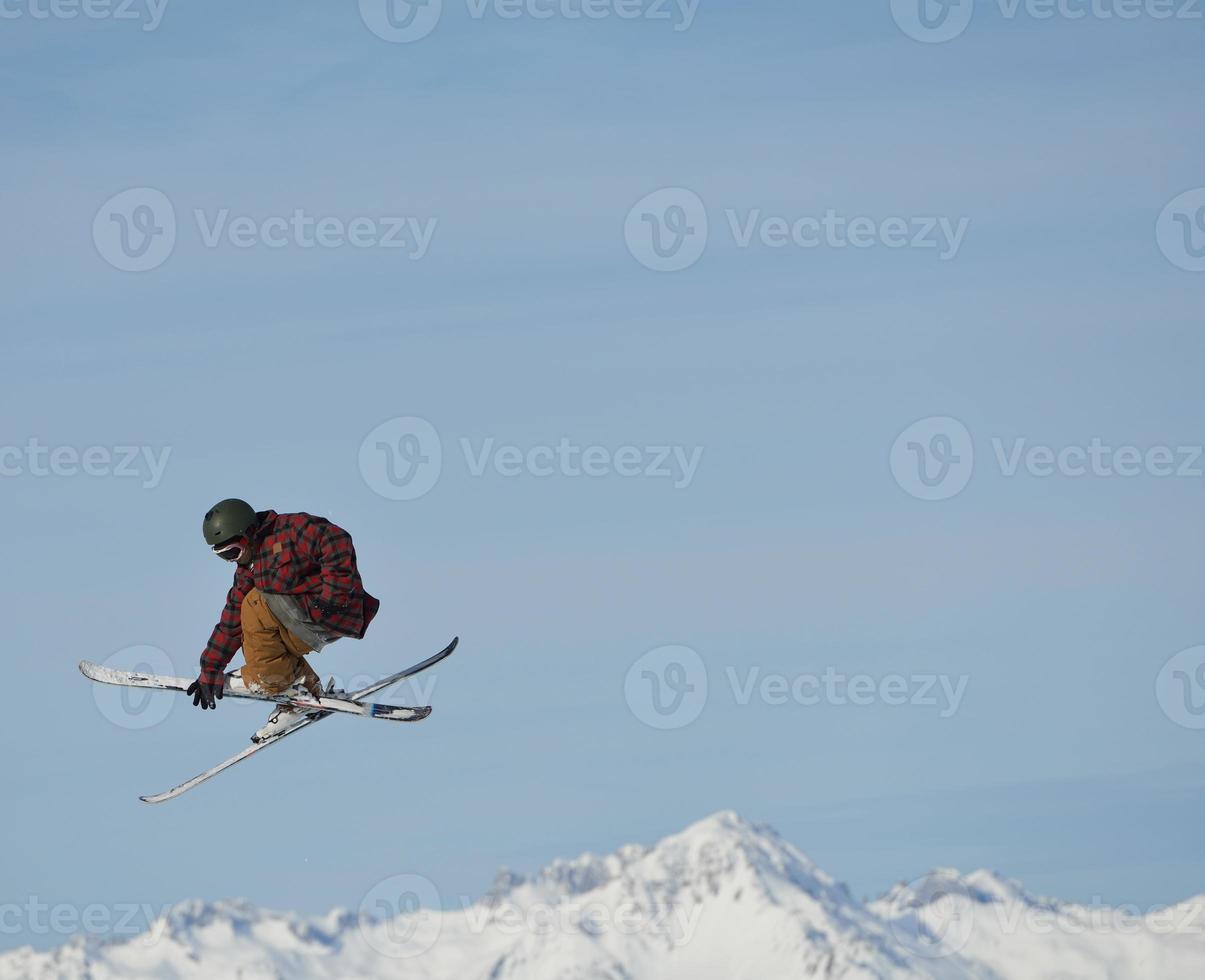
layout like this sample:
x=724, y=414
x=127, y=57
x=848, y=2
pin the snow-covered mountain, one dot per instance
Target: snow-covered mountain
x=723, y=900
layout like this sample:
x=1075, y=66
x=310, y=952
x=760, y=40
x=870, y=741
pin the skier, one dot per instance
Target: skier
x=296, y=589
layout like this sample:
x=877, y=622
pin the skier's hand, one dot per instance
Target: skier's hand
x=206, y=690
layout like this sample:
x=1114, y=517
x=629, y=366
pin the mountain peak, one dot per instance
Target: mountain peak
x=721, y=850
x=727, y=828
x=722, y=897
x=981, y=887
x=724, y=822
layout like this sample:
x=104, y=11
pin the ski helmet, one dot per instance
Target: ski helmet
x=227, y=519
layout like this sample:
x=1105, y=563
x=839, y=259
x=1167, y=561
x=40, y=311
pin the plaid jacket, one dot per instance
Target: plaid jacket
x=299, y=555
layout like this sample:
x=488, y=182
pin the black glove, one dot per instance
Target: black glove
x=206, y=691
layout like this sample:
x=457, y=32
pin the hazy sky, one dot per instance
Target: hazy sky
x=1027, y=203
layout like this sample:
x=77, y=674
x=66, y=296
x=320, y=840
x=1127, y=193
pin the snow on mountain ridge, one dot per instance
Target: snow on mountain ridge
x=723, y=848
x=982, y=886
x=194, y=913
x=722, y=899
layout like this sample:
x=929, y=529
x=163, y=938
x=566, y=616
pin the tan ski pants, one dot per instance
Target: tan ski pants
x=275, y=657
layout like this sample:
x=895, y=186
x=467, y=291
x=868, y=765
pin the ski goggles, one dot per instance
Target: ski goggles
x=232, y=550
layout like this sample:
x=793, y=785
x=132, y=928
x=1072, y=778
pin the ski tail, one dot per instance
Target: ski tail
x=408, y=672
x=380, y=685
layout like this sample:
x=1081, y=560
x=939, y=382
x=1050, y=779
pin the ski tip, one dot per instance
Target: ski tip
x=88, y=669
x=151, y=799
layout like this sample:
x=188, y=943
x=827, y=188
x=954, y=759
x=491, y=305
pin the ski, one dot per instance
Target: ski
x=372, y=689
x=235, y=688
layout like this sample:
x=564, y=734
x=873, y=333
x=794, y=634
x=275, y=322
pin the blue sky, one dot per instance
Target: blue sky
x=528, y=320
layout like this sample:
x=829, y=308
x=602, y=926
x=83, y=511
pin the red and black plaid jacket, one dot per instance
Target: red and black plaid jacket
x=299, y=555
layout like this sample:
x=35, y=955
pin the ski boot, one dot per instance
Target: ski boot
x=285, y=717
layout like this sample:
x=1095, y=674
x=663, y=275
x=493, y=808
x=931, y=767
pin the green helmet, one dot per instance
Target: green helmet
x=227, y=519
